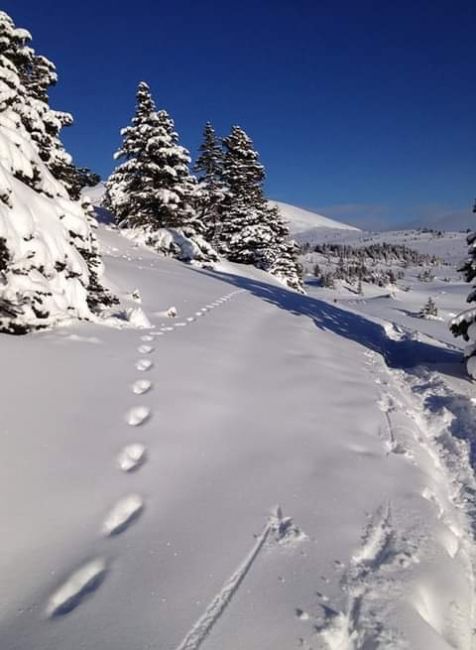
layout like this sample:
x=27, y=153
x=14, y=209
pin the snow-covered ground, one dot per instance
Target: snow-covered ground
x=261, y=470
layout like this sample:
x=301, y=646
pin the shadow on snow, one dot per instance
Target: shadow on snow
x=399, y=354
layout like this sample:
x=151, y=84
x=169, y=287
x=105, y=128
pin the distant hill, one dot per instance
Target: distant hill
x=301, y=221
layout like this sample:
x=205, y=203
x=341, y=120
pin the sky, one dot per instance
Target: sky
x=364, y=111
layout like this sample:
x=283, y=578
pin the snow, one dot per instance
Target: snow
x=300, y=220
x=355, y=416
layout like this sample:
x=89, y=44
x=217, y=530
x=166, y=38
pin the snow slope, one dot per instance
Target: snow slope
x=301, y=221
x=144, y=477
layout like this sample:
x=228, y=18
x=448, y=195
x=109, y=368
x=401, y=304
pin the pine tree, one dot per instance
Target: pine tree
x=283, y=254
x=251, y=230
x=37, y=75
x=244, y=233
x=152, y=187
x=50, y=265
x=429, y=309
x=212, y=192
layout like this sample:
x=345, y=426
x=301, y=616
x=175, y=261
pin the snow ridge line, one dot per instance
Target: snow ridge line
x=281, y=527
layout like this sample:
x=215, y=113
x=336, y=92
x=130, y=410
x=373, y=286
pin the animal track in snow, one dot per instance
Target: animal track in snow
x=141, y=386
x=123, y=514
x=138, y=415
x=132, y=457
x=191, y=319
x=144, y=364
x=180, y=324
x=145, y=349
x=80, y=583
x=302, y=615
x=147, y=338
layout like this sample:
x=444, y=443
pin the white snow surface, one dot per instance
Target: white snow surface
x=354, y=416
x=300, y=220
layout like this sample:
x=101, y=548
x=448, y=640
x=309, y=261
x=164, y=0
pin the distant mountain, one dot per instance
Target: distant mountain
x=449, y=221
x=301, y=221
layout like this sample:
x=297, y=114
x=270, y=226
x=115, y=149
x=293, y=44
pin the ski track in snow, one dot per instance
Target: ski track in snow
x=278, y=528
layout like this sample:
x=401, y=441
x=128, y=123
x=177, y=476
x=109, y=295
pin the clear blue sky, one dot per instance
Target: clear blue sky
x=359, y=109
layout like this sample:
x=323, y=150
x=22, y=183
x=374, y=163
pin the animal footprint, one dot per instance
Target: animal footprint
x=144, y=364
x=141, y=386
x=138, y=415
x=80, y=583
x=132, y=457
x=145, y=349
x=122, y=515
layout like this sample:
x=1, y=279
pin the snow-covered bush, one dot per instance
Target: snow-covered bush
x=171, y=242
x=464, y=324
x=49, y=263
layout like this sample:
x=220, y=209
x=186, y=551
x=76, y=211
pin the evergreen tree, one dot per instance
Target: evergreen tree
x=251, y=230
x=429, y=309
x=152, y=187
x=244, y=233
x=209, y=170
x=36, y=74
x=465, y=323
x=49, y=264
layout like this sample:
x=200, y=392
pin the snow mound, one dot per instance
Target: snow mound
x=172, y=242
x=300, y=220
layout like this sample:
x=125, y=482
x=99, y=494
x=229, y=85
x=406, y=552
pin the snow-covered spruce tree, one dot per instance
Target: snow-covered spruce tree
x=464, y=324
x=429, y=309
x=252, y=231
x=209, y=170
x=284, y=254
x=152, y=193
x=38, y=75
x=49, y=267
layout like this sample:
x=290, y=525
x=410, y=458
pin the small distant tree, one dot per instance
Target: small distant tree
x=429, y=309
